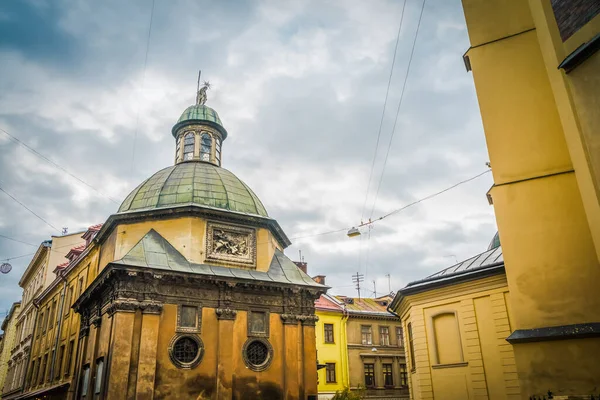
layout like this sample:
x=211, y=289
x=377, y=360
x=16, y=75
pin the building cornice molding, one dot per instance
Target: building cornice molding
x=552, y=333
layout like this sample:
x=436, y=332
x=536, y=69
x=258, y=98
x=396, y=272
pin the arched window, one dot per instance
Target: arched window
x=218, y=150
x=205, y=147
x=188, y=146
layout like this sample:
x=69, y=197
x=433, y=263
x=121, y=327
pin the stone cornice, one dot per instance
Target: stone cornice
x=226, y=313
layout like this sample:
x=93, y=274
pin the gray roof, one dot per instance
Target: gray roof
x=488, y=257
x=154, y=251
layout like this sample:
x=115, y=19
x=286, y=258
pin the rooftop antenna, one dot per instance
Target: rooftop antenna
x=374, y=288
x=65, y=230
x=357, y=279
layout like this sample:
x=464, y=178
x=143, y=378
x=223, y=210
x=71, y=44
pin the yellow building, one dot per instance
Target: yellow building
x=456, y=323
x=537, y=74
x=9, y=328
x=183, y=293
x=332, y=351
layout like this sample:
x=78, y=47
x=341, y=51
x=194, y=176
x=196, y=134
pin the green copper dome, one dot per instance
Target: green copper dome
x=194, y=183
x=202, y=114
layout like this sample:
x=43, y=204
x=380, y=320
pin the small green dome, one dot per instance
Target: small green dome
x=202, y=114
x=194, y=183
x=495, y=242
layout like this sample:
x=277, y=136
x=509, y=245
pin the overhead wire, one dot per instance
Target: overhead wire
x=48, y=160
x=412, y=51
x=17, y=240
x=28, y=209
x=387, y=91
x=143, y=84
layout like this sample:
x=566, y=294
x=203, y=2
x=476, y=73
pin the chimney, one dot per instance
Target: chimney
x=302, y=265
x=319, y=279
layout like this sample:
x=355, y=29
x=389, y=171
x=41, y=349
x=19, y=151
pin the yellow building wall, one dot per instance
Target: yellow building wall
x=7, y=344
x=541, y=128
x=466, y=356
x=336, y=352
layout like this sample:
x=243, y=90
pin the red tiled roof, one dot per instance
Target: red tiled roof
x=323, y=303
x=95, y=227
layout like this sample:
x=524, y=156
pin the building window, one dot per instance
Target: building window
x=61, y=356
x=43, y=369
x=69, y=302
x=40, y=325
x=258, y=323
x=388, y=379
x=188, y=146
x=328, y=328
x=186, y=351
x=205, y=147
x=403, y=375
x=99, y=370
x=330, y=373
x=411, y=345
x=218, y=150
x=188, y=318
x=449, y=350
x=399, y=336
x=52, y=314
x=85, y=381
x=69, y=358
x=49, y=375
x=384, y=335
x=257, y=354
x=367, y=334
x=31, y=377
x=80, y=286
x=369, y=375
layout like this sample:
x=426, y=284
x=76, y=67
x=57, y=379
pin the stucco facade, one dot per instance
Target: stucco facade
x=537, y=74
x=9, y=333
x=332, y=351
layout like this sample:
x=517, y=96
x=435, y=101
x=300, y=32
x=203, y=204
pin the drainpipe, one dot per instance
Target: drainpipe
x=344, y=334
x=60, y=323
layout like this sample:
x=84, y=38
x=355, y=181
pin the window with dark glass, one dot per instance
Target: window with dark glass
x=384, y=335
x=218, y=150
x=411, y=346
x=69, y=302
x=399, y=337
x=367, y=334
x=205, y=147
x=189, y=317
x=31, y=377
x=188, y=146
x=61, y=356
x=388, y=380
x=369, y=375
x=328, y=333
x=49, y=375
x=40, y=325
x=43, y=369
x=403, y=375
x=69, y=358
x=85, y=381
x=99, y=371
x=330, y=373
x=52, y=314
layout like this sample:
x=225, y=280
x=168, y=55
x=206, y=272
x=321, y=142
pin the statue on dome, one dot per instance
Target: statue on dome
x=201, y=96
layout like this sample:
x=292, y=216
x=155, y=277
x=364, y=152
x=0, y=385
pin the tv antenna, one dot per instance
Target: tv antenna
x=357, y=279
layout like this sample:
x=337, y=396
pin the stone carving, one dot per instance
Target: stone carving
x=225, y=313
x=289, y=319
x=201, y=96
x=231, y=244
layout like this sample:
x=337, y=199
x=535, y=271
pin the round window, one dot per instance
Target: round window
x=257, y=354
x=186, y=351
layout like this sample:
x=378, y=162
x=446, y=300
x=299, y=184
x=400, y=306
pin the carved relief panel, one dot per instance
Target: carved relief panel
x=231, y=244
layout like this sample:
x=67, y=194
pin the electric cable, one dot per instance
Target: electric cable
x=29, y=209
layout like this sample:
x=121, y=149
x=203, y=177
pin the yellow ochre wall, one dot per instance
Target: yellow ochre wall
x=332, y=352
x=541, y=128
x=473, y=335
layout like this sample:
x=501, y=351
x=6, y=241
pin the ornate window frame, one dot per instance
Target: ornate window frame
x=198, y=327
x=264, y=334
x=196, y=360
x=265, y=365
x=212, y=255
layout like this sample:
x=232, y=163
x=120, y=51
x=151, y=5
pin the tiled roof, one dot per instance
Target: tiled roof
x=488, y=257
x=363, y=306
x=154, y=251
x=325, y=303
x=61, y=266
x=95, y=227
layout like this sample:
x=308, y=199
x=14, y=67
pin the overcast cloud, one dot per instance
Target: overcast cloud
x=299, y=86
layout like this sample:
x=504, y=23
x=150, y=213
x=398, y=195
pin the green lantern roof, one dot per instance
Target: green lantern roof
x=194, y=183
x=202, y=114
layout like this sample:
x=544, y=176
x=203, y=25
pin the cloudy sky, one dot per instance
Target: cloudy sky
x=300, y=87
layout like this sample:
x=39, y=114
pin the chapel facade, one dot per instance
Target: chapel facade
x=185, y=292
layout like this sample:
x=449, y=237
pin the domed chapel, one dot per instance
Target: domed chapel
x=192, y=296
